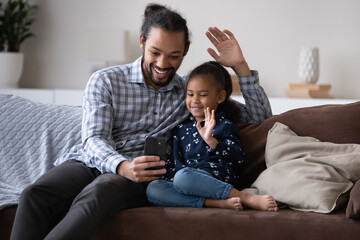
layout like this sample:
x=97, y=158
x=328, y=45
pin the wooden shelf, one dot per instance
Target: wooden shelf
x=303, y=90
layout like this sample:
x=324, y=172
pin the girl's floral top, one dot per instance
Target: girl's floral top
x=190, y=150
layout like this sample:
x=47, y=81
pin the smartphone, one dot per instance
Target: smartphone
x=155, y=146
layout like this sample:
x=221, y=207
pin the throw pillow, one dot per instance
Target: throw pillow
x=305, y=173
x=332, y=123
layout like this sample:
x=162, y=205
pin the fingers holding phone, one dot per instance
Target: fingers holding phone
x=149, y=167
x=155, y=168
x=137, y=170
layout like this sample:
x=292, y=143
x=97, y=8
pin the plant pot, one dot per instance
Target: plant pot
x=11, y=66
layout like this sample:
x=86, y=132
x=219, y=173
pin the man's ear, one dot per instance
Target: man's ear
x=186, y=49
x=222, y=96
x=142, y=42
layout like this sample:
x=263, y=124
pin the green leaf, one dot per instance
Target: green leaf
x=16, y=18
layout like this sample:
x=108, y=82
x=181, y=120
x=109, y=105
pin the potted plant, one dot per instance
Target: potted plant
x=16, y=18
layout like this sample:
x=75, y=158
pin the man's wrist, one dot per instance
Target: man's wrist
x=121, y=168
x=242, y=69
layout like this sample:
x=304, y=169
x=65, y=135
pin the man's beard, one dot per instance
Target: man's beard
x=151, y=77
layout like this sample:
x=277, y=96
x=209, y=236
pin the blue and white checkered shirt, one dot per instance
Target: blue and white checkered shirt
x=120, y=110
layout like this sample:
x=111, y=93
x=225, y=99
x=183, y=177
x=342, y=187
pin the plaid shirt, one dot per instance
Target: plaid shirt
x=120, y=110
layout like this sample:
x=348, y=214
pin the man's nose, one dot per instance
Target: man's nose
x=162, y=62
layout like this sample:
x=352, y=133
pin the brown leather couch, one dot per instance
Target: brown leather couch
x=333, y=123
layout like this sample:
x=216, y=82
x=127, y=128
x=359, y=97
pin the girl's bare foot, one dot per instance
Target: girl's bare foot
x=262, y=202
x=233, y=203
x=258, y=202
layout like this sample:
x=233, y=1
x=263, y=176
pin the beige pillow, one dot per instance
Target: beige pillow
x=305, y=173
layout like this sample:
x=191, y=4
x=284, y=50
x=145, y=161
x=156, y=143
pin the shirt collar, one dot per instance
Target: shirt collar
x=136, y=76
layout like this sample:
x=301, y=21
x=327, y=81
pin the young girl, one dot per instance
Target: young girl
x=206, y=150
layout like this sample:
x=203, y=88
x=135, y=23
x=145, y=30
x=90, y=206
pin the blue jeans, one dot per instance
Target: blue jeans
x=190, y=188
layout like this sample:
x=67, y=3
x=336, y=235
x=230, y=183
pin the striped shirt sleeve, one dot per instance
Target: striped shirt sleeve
x=257, y=107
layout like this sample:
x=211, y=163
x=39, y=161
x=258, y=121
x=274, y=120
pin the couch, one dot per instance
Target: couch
x=337, y=124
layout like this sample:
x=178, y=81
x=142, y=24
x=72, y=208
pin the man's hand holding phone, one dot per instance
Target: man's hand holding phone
x=138, y=169
x=149, y=167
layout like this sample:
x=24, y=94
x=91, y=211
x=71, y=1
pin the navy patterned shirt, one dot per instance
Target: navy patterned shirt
x=120, y=110
x=190, y=150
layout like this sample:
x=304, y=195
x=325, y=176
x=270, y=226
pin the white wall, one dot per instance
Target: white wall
x=270, y=32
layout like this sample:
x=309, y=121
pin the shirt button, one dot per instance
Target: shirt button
x=155, y=113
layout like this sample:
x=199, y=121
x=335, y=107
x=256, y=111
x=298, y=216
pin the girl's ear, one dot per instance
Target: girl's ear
x=222, y=96
x=142, y=43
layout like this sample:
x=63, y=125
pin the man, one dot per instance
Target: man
x=122, y=106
